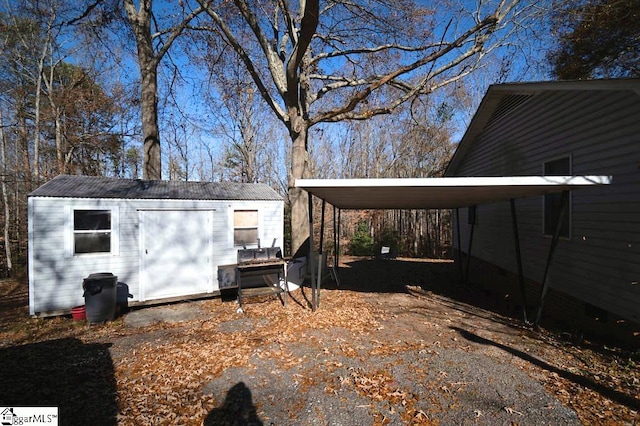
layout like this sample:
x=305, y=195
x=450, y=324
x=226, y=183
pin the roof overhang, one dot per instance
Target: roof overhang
x=500, y=99
x=439, y=193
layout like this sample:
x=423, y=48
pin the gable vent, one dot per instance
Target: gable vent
x=507, y=104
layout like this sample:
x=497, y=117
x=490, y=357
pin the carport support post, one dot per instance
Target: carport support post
x=310, y=263
x=321, y=251
x=473, y=227
x=462, y=280
x=338, y=239
x=516, y=238
x=552, y=247
x=336, y=244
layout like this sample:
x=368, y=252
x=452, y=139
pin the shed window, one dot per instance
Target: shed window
x=91, y=231
x=552, y=202
x=245, y=227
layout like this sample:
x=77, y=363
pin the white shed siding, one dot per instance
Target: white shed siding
x=55, y=278
x=601, y=261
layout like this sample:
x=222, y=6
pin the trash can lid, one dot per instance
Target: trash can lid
x=101, y=279
x=100, y=275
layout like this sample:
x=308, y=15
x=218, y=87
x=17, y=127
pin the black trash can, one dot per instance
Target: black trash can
x=100, y=292
x=122, y=298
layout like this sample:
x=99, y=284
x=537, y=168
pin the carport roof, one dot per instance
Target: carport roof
x=437, y=193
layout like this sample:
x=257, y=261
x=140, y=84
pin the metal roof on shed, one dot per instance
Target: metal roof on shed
x=72, y=186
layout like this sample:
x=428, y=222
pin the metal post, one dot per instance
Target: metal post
x=322, y=225
x=460, y=269
x=466, y=275
x=336, y=243
x=554, y=243
x=310, y=263
x=338, y=239
x=516, y=238
x=320, y=253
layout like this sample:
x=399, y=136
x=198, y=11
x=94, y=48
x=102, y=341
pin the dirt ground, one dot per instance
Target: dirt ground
x=396, y=343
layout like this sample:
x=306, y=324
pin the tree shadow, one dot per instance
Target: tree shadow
x=439, y=277
x=236, y=410
x=393, y=275
x=77, y=378
x=622, y=398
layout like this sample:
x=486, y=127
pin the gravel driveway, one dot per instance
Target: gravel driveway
x=396, y=343
x=348, y=379
x=409, y=357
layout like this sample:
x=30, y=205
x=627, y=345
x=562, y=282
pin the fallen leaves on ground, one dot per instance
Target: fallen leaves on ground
x=157, y=372
x=380, y=386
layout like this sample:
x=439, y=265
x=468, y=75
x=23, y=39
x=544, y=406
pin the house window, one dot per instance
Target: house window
x=245, y=227
x=91, y=231
x=552, y=202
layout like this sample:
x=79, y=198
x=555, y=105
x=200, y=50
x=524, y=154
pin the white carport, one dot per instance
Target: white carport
x=438, y=193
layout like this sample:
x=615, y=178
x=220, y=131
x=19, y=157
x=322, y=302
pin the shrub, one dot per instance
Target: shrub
x=361, y=243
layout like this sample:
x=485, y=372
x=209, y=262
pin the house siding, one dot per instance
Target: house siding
x=600, y=262
x=55, y=277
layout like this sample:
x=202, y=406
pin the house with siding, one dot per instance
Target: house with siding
x=164, y=240
x=559, y=128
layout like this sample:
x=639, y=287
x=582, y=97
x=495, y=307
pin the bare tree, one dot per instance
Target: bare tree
x=5, y=198
x=18, y=72
x=83, y=118
x=417, y=143
x=152, y=43
x=242, y=123
x=179, y=143
x=45, y=52
x=314, y=64
x=596, y=39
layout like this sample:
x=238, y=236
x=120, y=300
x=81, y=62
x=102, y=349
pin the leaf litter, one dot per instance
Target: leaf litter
x=357, y=345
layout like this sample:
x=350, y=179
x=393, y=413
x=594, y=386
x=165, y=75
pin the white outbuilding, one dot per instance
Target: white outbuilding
x=164, y=240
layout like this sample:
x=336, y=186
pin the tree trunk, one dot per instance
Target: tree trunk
x=152, y=158
x=56, y=112
x=148, y=61
x=5, y=200
x=24, y=142
x=60, y=150
x=36, y=119
x=297, y=196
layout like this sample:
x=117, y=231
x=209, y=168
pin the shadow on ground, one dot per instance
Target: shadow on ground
x=442, y=277
x=237, y=409
x=397, y=276
x=586, y=382
x=394, y=275
x=77, y=378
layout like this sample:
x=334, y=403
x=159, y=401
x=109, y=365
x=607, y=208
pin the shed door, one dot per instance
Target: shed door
x=176, y=251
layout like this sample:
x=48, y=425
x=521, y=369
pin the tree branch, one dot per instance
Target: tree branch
x=176, y=31
x=480, y=32
x=308, y=26
x=276, y=67
x=365, y=50
x=237, y=47
x=84, y=14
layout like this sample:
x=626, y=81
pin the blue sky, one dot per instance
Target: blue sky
x=196, y=127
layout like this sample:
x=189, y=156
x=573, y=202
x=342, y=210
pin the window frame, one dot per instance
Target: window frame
x=548, y=218
x=245, y=227
x=71, y=232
